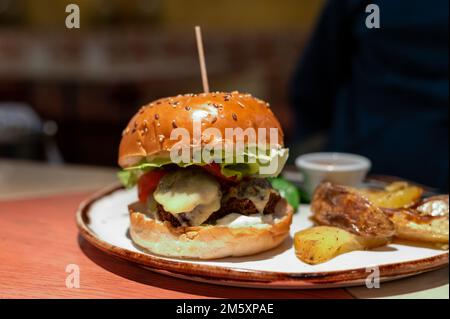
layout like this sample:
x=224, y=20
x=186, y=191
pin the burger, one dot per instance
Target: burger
x=203, y=192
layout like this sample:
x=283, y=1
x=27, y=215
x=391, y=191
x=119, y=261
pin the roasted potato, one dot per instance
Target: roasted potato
x=395, y=195
x=427, y=221
x=397, y=211
x=343, y=207
x=321, y=243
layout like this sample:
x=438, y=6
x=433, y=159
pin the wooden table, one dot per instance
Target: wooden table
x=39, y=239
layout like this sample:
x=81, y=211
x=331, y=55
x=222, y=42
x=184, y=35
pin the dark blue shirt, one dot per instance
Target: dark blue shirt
x=382, y=93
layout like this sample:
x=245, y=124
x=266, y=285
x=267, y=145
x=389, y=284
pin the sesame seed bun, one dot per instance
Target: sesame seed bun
x=148, y=133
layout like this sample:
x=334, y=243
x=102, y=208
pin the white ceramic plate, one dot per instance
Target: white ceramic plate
x=103, y=221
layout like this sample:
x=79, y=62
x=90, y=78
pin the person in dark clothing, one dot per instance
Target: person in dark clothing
x=380, y=92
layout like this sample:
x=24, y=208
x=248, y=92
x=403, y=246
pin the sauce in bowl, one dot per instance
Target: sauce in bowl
x=340, y=168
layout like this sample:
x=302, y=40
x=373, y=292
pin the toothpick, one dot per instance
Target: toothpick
x=201, y=57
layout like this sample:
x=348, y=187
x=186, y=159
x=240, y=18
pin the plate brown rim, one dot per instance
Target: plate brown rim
x=240, y=275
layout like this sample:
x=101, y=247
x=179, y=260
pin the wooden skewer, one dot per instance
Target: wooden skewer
x=201, y=57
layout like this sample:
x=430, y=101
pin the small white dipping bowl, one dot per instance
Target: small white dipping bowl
x=340, y=168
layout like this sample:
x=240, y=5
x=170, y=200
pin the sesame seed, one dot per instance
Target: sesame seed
x=156, y=116
x=161, y=138
x=144, y=129
x=240, y=104
x=206, y=138
x=234, y=116
x=187, y=107
x=214, y=120
x=174, y=124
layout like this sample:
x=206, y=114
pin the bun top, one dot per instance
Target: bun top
x=148, y=133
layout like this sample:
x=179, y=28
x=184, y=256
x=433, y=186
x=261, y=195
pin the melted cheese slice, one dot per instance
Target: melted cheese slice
x=189, y=191
x=201, y=213
x=260, y=201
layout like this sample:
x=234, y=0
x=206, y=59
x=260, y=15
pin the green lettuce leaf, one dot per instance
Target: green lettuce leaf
x=128, y=178
x=250, y=167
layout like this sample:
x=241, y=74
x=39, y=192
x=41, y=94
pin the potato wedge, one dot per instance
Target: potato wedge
x=319, y=244
x=343, y=207
x=427, y=221
x=395, y=195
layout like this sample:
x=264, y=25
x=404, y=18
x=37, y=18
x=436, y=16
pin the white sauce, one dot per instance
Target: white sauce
x=239, y=221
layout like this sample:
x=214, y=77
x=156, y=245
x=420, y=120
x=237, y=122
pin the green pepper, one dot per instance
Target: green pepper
x=287, y=190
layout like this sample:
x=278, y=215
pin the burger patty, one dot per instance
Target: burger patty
x=243, y=207
x=232, y=205
x=166, y=216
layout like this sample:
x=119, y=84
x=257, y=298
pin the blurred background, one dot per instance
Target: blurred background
x=85, y=84
x=334, y=83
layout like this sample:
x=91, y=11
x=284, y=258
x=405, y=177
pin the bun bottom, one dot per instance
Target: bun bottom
x=209, y=241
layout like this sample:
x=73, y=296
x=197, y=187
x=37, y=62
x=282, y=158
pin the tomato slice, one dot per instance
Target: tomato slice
x=148, y=182
x=214, y=169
